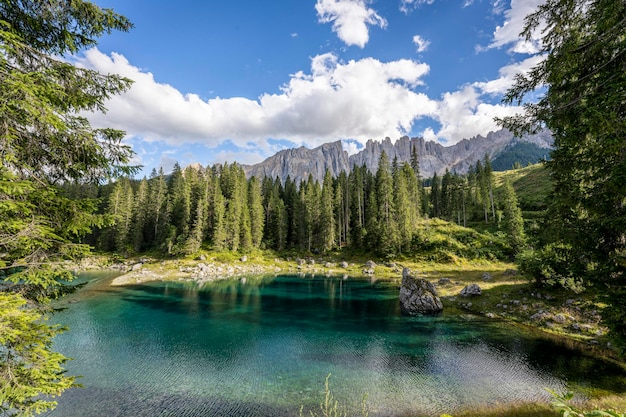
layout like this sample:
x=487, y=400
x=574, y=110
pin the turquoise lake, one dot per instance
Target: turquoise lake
x=263, y=347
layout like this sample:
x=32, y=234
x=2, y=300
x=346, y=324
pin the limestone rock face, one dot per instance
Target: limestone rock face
x=300, y=162
x=433, y=157
x=418, y=296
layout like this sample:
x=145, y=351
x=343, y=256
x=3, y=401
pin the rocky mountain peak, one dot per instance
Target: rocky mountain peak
x=433, y=157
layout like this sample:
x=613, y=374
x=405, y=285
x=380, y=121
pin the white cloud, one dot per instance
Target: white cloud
x=421, y=43
x=406, y=6
x=326, y=103
x=509, y=33
x=463, y=114
x=507, y=76
x=329, y=103
x=350, y=19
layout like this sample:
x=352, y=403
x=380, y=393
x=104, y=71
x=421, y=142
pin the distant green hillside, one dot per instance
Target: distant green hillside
x=519, y=154
x=532, y=185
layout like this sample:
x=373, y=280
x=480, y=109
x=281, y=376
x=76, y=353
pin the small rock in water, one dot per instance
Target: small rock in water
x=486, y=276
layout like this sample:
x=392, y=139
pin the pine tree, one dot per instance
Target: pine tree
x=326, y=214
x=179, y=190
x=490, y=185
x=276, y=218
x=446, y=195
x=357, y=199
x=120, y=208
x=342, y=209
x=218, y=221
x=435, y=196
x=257, y=215
x=140, y=216
x=513, y=220
x=311, y=206
x=45, y=141
x=404, y=208
x=159, y=209
x=245, y=227
x=200, y=208
x=583, y=106
x=291, y=198
x=482, y=179
x=387, y=232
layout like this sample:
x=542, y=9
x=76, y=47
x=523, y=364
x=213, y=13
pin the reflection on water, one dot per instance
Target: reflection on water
x=261, y=347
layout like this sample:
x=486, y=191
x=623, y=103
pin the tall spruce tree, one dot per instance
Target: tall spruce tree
x=140, y=216
x=46, y=142
x=404, y=209
x=159, y=208
x=327, y=214
x=583, y=106
x=513, y=220
x=257, y=215
x=387, y=230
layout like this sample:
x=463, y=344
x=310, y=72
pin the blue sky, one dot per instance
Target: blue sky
x=239, y=80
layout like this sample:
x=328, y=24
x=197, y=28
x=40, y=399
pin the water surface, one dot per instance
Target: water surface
x=264, y=348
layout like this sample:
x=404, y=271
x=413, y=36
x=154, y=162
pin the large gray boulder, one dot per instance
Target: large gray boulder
x=418, y=296
x=471, y=290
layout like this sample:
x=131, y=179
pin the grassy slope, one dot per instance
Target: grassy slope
x=532, y=185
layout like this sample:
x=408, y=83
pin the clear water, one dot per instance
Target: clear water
x=264, y=348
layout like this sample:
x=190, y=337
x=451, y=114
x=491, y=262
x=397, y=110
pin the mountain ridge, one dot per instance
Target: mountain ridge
x=299, y=163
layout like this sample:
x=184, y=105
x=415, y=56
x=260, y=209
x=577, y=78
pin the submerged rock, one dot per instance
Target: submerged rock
x=418, y=296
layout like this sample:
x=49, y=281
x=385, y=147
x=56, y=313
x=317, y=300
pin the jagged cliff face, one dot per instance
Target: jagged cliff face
x=300, y=162
x=433, y=157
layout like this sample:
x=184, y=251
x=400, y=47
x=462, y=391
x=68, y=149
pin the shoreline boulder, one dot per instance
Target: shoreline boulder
x=418, y=296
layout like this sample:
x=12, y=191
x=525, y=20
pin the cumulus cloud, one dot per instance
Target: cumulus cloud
x=507, y=76
x=421, y=43
x=350, y=19
x=508, y=34
x=327, y=103
x=463, y=114
x=332, y=100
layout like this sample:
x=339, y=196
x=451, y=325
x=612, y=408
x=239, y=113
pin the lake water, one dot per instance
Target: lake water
x=264, y=348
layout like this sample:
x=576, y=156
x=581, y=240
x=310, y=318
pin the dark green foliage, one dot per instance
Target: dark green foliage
x=359, y=211
x=46, y=149
x=440, y=241
x=519, y=155
x=513, y=221
x=552, y=265
x=584, y=107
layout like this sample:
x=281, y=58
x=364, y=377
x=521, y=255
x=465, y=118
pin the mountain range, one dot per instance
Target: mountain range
x=298, y=163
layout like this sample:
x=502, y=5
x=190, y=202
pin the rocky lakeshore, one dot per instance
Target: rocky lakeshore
x=502, y=294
